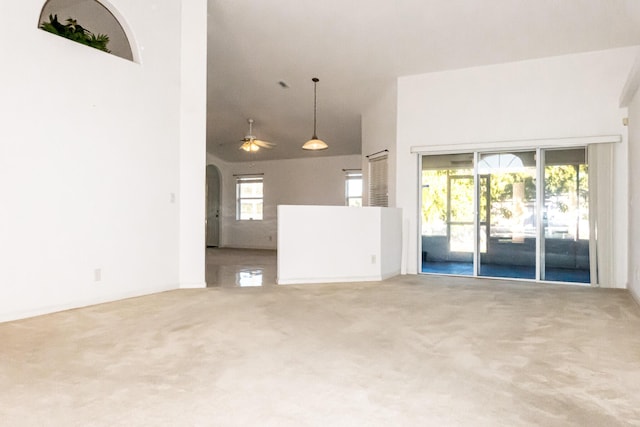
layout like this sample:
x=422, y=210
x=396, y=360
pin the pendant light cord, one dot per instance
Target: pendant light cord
x=315, y=105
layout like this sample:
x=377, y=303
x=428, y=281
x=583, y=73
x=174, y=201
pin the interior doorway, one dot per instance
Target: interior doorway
x=213, y=207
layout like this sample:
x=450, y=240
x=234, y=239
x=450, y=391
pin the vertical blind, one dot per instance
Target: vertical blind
x=378, y=187
x=601, y=209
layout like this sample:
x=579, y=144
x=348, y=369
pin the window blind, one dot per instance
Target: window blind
x=378, y=187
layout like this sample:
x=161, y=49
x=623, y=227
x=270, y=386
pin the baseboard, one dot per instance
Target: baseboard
x=386, y=276
x=265, y=248
x=635, y=296
x=312, y=280
x=198, y=285
x=40, y=311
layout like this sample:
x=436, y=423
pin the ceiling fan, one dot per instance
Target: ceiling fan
x=251, y=143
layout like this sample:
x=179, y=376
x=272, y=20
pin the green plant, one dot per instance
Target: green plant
x=73, y=31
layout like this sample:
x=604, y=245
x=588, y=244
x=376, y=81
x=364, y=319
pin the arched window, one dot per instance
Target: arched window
x=94, y=16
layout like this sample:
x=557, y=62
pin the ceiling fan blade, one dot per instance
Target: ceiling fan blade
x=263, y=144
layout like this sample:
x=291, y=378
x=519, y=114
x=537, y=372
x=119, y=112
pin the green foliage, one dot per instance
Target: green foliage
x=434, y=196
x=501, y=189
x=73, y=31
x=566, y=189
x=559, y=180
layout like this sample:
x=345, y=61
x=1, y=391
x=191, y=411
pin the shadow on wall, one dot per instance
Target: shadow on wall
x=94, y=18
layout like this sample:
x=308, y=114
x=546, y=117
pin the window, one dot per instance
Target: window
x=378, y=193
x=353, y=188
x=92, y=15
x=249, y=197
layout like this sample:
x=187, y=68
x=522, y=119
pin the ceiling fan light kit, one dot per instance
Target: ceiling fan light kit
x=315, y=144
x=250, y=143
x=249, y=146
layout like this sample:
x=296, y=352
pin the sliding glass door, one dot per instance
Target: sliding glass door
x=447, y=213
x=512, y=214
x=511, y=247
x=566, y=216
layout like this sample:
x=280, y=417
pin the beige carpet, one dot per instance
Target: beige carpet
x=411, y=351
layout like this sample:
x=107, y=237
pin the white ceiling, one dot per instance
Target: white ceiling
x=358, y=47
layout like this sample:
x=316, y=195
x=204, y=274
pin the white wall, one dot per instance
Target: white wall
x=390, y=242
x=89, y=160
x=379, y=133
x=566, y=96
x=322, y=244
x=634, y=196
x=193, y=143
x=307, y=181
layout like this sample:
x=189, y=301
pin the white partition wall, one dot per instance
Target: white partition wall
x=101, y=171
x=193, y=129
x=319, y=244
x=634, y=181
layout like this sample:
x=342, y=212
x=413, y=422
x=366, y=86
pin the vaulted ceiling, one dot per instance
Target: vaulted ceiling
x=358, y=48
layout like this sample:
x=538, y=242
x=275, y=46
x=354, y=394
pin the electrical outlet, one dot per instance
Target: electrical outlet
x=270, y=238
x=97, y=275
x=373, y=259
x=172, y=197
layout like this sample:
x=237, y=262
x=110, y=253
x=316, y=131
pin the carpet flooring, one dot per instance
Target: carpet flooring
x=409, y=351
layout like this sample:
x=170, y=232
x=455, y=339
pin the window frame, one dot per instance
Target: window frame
x=352, y=175
x=243, y=180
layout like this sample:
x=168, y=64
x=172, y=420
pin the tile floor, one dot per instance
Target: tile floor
x=230, y=268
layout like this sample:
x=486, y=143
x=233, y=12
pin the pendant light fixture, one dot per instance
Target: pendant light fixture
x=314, y=143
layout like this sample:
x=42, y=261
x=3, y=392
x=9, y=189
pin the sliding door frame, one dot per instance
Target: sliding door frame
x=540, y=205
x=487, y=147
